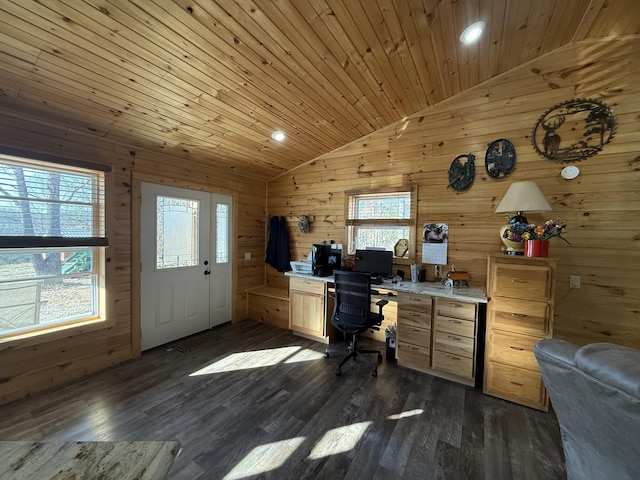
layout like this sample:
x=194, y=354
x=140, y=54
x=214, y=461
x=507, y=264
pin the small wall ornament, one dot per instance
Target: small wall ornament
x=304, y=224
x=500, y=158
x=574, y=130
x=461, y=175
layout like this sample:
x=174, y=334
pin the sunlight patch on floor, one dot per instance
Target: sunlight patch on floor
x=264, y=458
x=259, y=359
x=304, y=355
x=408, y=413
x=339, y=440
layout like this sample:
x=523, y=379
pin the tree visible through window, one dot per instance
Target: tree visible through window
x=378, y=219
x=51, y=239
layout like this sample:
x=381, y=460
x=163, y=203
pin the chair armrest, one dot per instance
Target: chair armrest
x=380, y=304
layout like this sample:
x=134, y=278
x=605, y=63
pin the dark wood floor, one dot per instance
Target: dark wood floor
x=266, y=404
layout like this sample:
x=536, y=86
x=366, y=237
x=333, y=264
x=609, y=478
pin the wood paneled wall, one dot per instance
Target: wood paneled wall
x=601, y=206
x=35, y=363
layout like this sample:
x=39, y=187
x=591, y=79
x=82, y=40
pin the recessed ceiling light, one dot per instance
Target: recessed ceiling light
x=278, y=135
x=472, y=32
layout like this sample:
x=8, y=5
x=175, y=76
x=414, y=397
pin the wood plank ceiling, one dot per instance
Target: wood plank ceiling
x=216, y=77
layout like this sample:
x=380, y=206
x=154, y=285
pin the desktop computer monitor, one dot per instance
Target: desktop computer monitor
x=379, y=263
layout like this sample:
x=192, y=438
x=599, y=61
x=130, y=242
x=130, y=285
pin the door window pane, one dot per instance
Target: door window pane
x=222, y=230
x=176, y=232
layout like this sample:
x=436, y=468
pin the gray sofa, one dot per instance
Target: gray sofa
x=595, y=392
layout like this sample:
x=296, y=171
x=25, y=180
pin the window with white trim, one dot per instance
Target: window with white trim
x=52, y=240
x=381, y=219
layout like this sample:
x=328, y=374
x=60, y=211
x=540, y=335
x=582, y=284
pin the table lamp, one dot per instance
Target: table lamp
x=520, y=196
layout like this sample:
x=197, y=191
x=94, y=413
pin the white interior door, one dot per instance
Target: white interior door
x=185, y=272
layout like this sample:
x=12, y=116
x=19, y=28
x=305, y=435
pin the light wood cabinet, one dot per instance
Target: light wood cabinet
x=413, y=343
x=455, y=328
x=438, y=336
x=309, y=309
x=519, y=314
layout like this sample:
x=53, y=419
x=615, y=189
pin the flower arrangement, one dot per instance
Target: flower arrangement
x=518, y=232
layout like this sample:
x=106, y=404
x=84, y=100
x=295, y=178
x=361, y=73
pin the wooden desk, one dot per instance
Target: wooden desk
x=86, y=460
x=440, y=330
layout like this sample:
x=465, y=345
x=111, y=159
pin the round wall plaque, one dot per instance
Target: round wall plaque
x=573, y=130
x=461, y=175
x=500, y=158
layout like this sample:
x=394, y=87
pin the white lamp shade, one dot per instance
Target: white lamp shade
x=523, y=197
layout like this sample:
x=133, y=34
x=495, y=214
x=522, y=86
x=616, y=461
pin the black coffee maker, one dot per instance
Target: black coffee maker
x=325, y=259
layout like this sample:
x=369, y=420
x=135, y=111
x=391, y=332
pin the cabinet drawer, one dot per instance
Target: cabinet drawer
x=517, y=280
x=513, y=349
x=456, y=326
x=455, y=309
x=412, y=301
x=414, y=318
x=414, y=335
x=517, y=315
x=413, y=356
x=304, y=285
x=455, y=344
x=515, y=384
x=456, y=364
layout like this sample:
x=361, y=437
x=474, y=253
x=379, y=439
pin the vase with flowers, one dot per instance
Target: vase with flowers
x=535, y=237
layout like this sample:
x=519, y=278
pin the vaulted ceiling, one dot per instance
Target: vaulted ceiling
x=216, y=77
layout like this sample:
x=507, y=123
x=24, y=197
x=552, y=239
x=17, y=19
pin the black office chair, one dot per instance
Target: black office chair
x=352, y=314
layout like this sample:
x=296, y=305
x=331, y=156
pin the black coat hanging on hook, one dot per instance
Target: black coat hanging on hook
x=500, y=158
x=461, y=175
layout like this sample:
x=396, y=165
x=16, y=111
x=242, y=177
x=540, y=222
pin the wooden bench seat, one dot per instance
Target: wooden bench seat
x=269, y=305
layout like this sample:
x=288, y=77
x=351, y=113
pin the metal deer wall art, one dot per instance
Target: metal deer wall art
x=574, y=130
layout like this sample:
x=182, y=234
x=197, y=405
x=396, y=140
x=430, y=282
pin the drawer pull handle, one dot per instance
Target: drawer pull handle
x=519, y=315
x=455, y=305
x=516, y=383
x=519, y=280
x=455, y=321
x=520, y=349
x=452, y=357
x=453, y=338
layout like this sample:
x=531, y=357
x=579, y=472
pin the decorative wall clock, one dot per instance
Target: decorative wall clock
x=401, y=247
x=574, y=130
x=461, y=175
x=500, y=158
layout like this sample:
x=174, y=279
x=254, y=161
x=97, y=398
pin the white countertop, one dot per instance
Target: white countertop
x=435, y=289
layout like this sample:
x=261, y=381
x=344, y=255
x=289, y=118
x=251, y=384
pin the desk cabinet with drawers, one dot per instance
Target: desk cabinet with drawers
x=519, y=314
x=413, y=343
x=455, y=328
x=438, y=336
